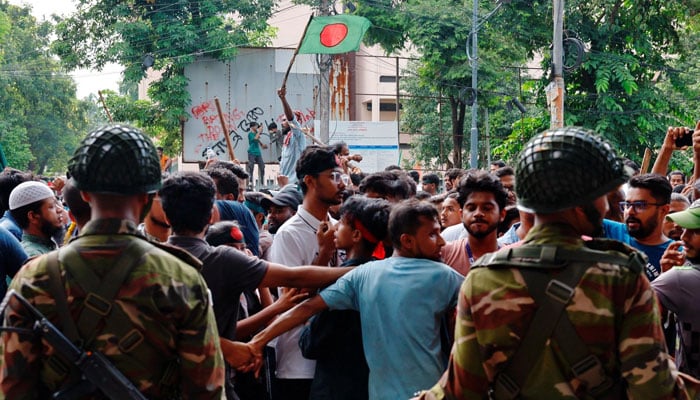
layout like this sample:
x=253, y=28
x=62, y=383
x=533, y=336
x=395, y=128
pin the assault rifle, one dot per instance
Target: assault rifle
x=98, y=373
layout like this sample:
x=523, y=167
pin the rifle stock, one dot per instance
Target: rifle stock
x=98, y=373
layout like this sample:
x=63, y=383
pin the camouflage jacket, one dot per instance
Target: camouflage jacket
x=613, y=310
x=163, y=298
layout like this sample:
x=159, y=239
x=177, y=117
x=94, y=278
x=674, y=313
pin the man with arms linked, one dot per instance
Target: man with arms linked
x=401, y=301
x=188, y=198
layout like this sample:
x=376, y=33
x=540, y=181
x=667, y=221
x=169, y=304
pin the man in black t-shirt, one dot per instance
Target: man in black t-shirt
x=187, y=200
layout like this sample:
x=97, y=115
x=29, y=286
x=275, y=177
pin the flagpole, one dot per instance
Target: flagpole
x=296, y=51
x=104, y=105
x=229, y=147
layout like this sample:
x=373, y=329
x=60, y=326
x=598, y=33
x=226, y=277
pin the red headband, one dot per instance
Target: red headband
x=378, y=253
x=236, y=234
x=367, y=235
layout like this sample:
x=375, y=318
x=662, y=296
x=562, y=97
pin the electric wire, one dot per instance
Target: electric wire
x=24, y=73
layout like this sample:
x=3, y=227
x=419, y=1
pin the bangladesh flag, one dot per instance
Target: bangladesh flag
x=334, y=34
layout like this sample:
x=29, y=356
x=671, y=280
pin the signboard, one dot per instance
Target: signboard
x=247, y=91
x=376, y=142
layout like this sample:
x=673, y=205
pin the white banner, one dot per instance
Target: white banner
x=376, y=142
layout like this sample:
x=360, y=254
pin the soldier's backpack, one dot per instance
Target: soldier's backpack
x=535, y=263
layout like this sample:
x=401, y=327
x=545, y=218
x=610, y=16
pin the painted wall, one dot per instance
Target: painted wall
x=247, y=91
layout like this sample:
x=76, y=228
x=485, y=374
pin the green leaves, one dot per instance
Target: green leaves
x=444, y=73
x=15, y=144
x=616, y=71
x=638, y=75
x=175, y=32
x=41, y=121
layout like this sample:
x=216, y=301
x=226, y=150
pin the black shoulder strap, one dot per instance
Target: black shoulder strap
x=56, y=364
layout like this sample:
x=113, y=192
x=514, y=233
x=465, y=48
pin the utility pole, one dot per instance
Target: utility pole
x=474, y=59
x=487, y=128
x=324, y=67
x=555, y=90
x=398, y=104
x=474, y=133
x=324, y=95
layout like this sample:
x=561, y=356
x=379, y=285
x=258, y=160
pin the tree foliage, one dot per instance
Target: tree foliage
x=428, y=118
x=621, y=89
x=632, y=82
x=629, y=86
x=41, y=120
x=143, y=114
x=440, y=38
x=173, y=32
x=680, y=85
x=616, y=90
x=444, y=71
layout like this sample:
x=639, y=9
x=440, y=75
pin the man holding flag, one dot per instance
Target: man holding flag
x=293, y=138
x=332, y=34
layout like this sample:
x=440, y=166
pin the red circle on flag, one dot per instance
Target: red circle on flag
x=333, y=34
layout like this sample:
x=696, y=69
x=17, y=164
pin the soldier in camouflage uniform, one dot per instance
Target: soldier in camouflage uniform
x=145, y=307
x=560, y=317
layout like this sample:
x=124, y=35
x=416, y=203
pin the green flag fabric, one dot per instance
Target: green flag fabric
x=334, y=34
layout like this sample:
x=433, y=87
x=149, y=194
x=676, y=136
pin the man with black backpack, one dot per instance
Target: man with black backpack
x=560, y=316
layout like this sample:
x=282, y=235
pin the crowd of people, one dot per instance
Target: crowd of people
x=568, y=274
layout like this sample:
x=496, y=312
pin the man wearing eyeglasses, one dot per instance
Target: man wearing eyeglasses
x=645, y=207
x=306, y=239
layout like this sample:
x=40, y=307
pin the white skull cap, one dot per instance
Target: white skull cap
x=28, y=193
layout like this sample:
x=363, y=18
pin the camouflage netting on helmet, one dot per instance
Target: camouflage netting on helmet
x=116, y=159
x=566, y=167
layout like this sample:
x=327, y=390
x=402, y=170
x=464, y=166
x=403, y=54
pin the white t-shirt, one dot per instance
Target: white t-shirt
x=294, y=245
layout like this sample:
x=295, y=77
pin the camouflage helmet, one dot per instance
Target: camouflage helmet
x=116, y=159
x=566, y=167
